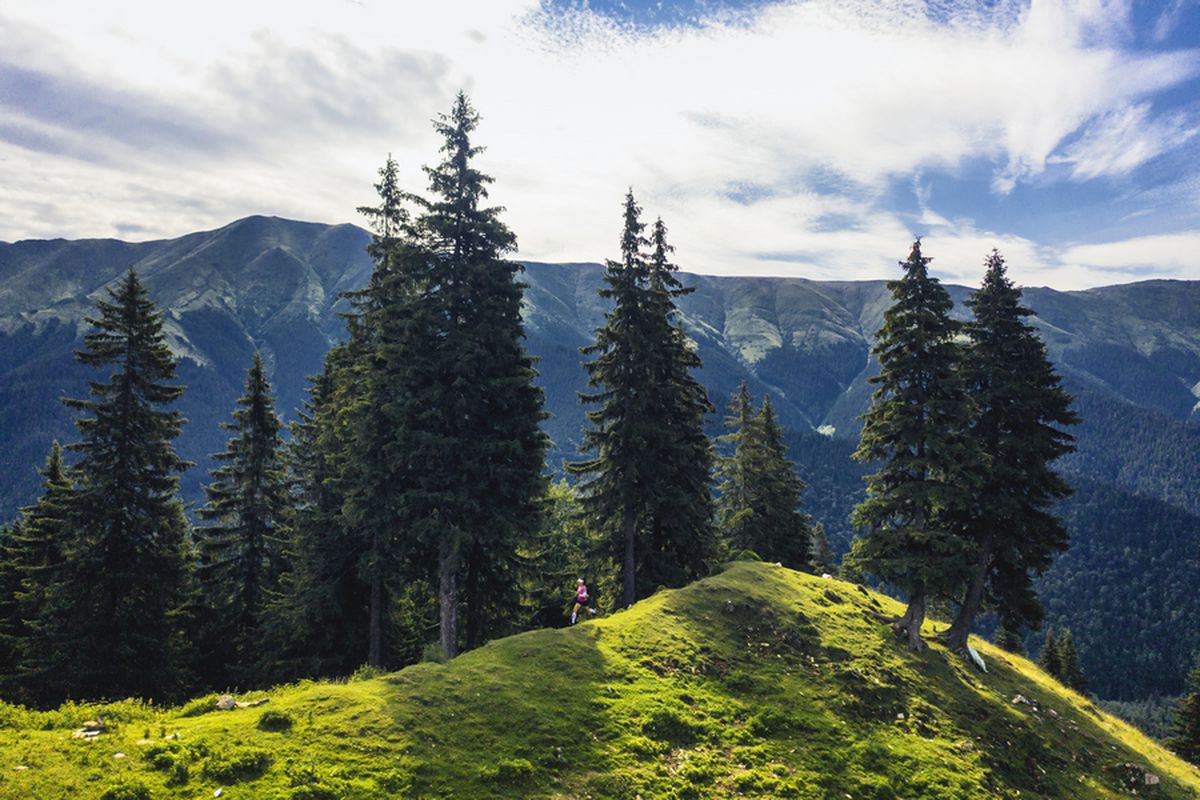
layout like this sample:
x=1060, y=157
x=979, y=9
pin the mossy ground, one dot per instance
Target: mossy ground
x=758, y=682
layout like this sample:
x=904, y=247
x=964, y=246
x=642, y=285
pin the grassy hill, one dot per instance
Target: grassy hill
x=758, y=682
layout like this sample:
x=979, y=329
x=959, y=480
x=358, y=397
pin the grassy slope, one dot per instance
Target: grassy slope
x=756, y=682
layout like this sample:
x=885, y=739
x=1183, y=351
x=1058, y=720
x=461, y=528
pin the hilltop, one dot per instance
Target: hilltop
x=756, y=682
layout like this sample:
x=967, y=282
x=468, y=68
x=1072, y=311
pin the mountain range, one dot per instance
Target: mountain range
x=1130, y=354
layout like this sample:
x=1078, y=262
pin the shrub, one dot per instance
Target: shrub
x=134, y=790
x=237, y=765
x=275, y=721
x=512, y=771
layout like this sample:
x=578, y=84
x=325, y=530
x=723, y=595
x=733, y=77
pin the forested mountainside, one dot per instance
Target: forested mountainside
x=1130, y=354
x=756, y=682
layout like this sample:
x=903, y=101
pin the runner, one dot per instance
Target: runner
x=582, y=600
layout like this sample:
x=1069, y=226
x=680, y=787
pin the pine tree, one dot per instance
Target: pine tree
x=318, y=627
x=916, y=430
x=1021, y=409
x=1186, y=739
x=107, y=627
x=1070, y=670
x=760, y=494
x=1009, y=637
x=681, y=543
x=33, y=553
x=647, y=482
x=240, y=553
x=1050, y=658
x=821, y=562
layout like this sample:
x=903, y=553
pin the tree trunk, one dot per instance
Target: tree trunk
x=448, y=595
x=909, y=625
x=956, y=637
x=375, y=613
x=629, y=523
x=474, y=601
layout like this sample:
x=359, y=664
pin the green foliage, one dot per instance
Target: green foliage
x=276, y=721
x=240, y=551
x=646, y=485
x=1019, y=416
x=760, y=492
x=1186, y=738
x=129, y=790
x=758, y=680
x=916, y=431
x=108, y=625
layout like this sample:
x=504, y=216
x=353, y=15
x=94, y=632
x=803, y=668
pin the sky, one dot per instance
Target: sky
x=810, y=139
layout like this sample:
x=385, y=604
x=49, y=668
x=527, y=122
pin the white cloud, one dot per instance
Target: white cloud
x=305, y=100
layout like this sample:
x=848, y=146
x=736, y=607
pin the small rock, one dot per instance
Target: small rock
x=826, y=576
x=20, y=767
x=1020, y=700
x=1151, y=779
x=93, y=725
x=144, y=742
x=218, y=792
x=900, y=716
x=252, y=703
x=1052, y=713
x=118, y=755
x=226, y=703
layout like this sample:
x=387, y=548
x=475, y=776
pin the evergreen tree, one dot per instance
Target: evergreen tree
x=1186, y=741
x=681, y=541
x=1070, y=670
x=916, y=430
x=821, y=561
x=1008, y=636
x=240, y=553
x=318, y=623
x=1050, y=658
x=760, y=493
x=647, y=482
x=107, y=628
x=32, y=556
x=1021, y=408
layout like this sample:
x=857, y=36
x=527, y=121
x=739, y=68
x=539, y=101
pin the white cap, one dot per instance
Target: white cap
x=579, y=580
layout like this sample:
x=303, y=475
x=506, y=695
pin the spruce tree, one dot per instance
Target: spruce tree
x=107, y=627
x=916, y=431
x=1070, y=670
x=1186, y=739
x=318, y=617
x=1021, y=409
x=760, y=494
x=1050, y=658
x=681, y=543
x=1008, y=636
x=647, y=482
x=821, y=561
x=33, y=554
x=240, y=552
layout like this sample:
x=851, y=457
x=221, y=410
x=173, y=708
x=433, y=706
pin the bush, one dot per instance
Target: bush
x=275, y=721
x=237, y=765
x=201, y=705
x=433, y=654
x=135, y=790
x=365, y=673
x=511, y=772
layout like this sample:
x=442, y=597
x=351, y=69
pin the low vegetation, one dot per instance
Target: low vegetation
x=757, y=682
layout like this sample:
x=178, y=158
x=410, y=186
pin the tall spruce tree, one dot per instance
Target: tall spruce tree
x=760, y=493
x=107, y=627
x=647, y=482
x=916, y=430
x=1050, y=658
x=681, y=540
x=1021, y=409
x=1186, y=738
x=319, y=626
x=32, y=557
x=462, y=413
x=240, y=552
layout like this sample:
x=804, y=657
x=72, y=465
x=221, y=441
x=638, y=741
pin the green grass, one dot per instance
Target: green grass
x=758, y=682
